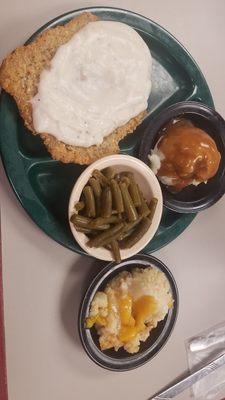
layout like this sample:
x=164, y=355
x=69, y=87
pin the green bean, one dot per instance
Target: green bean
x=124, y=234
x=100, y=239
x=80, y=221
x=83, y=230
x=115, y=250
x=89, y=201
x=126, y=180
x=130, y=225
x=109, y=172
x=130, y=210
x=106, y=202
x=128, y=228
x=117, y=196
x=133, y=187
x=143, y=210
x=136, y=235
x=100, y=228
x=108, y=240
x=134, y=192
x=152, y=206
x=96, y=187
x=114, y=219
x=79, y=206
x=97, y=190
x=95, y=232
x=100, y=177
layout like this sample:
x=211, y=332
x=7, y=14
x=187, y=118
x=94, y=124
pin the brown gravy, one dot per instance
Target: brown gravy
x=190, y=154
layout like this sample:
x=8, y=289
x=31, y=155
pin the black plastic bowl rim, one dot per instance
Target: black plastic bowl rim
x=191, y=199
x=126, y=362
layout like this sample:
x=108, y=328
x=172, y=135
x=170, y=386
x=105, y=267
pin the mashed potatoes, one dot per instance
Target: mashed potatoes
x=184, y=155
x=131, y=305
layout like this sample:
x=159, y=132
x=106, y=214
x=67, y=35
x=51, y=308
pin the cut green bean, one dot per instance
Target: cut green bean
x=134, y=192
x=100, y=239
x=131, y=225
x=79, y=206
x=143, y=210
x=80, y=220
x=96, y=187
x=109, y=172
x=89, y=201
x=100, y=228
x=116, y=251
x=126, y=180
x=97, y=190
x=106, y=202
x=114, y=219
x=136, y=235
x=117, y=196
x=108, y=240
x=152, y=206
x=129, y=228
x=124, y=234
x=129, y=208
x=100, y=177
x=83, y=230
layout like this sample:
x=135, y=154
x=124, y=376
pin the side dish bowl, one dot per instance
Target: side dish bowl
x=192, y=198
x=121, y=360
x=148, y=184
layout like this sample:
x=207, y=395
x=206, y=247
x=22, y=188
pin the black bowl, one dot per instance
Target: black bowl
x=191, y=198
x=121, y=360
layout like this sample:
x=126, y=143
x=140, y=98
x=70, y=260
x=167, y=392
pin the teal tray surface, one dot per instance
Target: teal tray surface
x=43, y=185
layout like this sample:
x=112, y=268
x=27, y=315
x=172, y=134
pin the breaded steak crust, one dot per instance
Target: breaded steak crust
x=20, y=74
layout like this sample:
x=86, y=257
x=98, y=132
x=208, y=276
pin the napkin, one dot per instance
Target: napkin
x=202, y=349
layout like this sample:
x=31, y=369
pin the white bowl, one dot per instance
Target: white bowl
x=148, y=184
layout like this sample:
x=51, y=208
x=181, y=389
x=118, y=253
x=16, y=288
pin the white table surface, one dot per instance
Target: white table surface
x=43, y=282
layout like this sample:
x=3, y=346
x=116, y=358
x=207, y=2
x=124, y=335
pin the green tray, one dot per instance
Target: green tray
x=43, y=185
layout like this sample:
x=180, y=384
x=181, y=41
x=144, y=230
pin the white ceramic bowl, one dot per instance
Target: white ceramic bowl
x=148, y=184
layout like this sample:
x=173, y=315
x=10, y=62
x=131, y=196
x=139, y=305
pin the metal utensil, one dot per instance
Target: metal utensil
x=187, y=382
x=202, y=343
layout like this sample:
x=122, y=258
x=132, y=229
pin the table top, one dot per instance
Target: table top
x=43, y=282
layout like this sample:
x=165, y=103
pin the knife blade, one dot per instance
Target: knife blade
x=189, y=380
